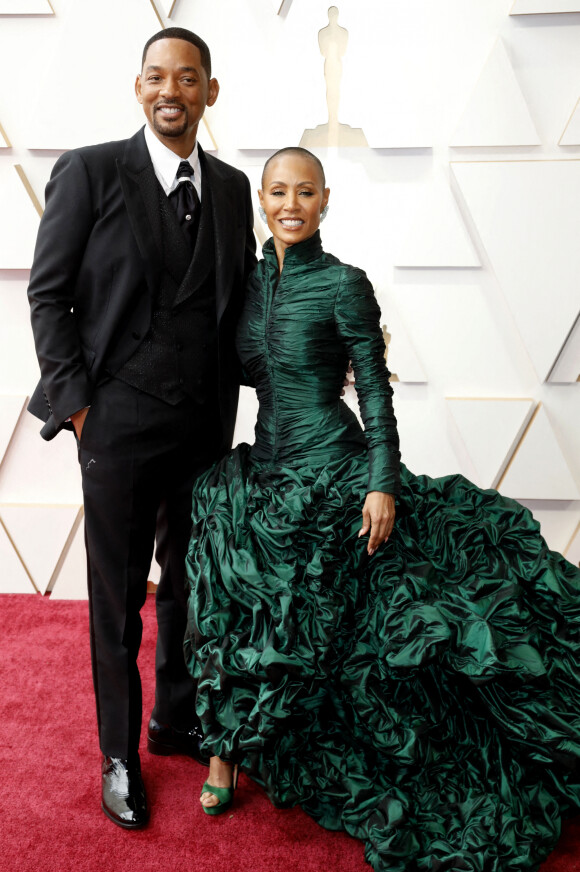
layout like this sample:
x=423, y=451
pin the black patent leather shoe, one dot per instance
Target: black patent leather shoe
x=123, y=799
x=165, y=741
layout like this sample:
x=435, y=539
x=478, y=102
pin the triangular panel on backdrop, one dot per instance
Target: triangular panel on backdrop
x=26, y=7
x=70, y=578
x=557, y=522
x=13, y=578
x=489, y=430
x=160, y=11
x=571, y=134
x=4, y=141
x=526, y=214
x=29, y=189
x=538, y=469
x=123, y=28
x=572, y=550
x=205, y=136
x=497, y=113
x=453, y=328
x=544, y=7
x=34, y=470
x=164, y=8
x=437, y=236
x=19, y=222
x=39, y=534
x=10, y=411
x=402, y=359
x=567, y=367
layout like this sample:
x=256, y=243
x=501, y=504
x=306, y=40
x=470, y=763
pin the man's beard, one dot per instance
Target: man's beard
x=168, y=128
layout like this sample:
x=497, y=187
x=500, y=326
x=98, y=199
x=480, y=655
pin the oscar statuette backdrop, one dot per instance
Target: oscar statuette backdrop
x=450, y=135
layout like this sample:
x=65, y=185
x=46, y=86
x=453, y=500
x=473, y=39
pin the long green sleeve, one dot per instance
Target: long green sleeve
x=357, y=317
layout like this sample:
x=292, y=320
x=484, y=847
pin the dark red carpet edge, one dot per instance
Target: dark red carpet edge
x=50, y=817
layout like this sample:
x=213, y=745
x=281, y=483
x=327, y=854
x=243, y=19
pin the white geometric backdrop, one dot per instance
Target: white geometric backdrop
x=461, y=203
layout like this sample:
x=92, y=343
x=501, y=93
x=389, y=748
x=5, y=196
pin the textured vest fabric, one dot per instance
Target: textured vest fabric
x=178, y=356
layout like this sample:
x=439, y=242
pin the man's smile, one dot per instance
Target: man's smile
x=169, y=111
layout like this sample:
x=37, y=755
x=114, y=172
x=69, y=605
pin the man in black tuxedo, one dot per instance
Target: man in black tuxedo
x=138, y=277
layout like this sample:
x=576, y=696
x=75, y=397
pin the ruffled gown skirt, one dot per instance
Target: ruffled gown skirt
x=427, y=699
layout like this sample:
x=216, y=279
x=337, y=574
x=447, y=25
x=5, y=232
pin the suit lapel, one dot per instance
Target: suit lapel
x=224, y=226
x=141, y=194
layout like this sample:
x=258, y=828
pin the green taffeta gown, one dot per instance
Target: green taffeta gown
x=426, y=699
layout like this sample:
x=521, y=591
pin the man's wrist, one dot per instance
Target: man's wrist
x=70, y=419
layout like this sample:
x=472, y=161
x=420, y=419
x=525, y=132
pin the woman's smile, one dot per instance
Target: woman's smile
x=291, y=222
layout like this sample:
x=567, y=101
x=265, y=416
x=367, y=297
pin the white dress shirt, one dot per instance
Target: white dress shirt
x=165, y=163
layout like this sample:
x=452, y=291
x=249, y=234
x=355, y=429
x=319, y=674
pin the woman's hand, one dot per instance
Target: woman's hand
x=378, y=517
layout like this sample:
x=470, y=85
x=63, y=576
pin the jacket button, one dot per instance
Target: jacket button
x=179, y=346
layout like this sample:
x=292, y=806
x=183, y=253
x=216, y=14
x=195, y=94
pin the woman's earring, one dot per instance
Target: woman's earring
x=324, y=213
x=263, y=215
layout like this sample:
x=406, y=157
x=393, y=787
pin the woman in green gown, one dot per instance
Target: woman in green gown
x=418, y=687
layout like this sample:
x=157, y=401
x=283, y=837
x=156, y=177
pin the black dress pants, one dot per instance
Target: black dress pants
x=139, y=458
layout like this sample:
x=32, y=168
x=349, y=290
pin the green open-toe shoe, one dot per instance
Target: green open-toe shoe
x=224, y=794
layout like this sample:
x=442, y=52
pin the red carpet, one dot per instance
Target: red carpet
x=50, y=817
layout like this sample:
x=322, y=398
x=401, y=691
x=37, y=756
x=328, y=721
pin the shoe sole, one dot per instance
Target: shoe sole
x=125, y=825
x=162, y=750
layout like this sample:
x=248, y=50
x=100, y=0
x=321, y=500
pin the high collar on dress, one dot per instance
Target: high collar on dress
x=301, y=252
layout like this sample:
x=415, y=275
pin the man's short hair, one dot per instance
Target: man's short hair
x=188, y=36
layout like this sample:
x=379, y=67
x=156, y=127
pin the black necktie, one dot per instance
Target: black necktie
x=185, y=201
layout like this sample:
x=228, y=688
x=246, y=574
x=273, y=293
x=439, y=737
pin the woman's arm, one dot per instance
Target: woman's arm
x=357, y=317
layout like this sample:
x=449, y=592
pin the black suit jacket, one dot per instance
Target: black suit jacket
x=96, y=270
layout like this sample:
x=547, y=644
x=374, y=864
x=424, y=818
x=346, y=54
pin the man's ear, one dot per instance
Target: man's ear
x=213, y=91
x=138, y=89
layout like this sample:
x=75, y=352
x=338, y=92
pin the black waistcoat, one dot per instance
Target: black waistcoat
x=178, y=356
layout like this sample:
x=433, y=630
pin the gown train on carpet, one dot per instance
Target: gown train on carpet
x=425, y=699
